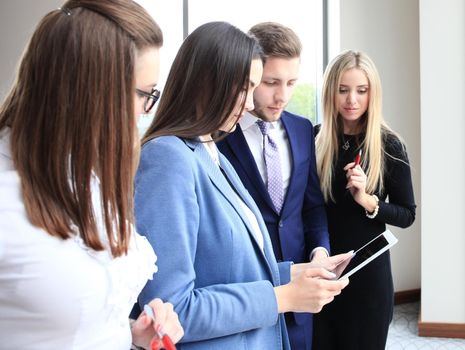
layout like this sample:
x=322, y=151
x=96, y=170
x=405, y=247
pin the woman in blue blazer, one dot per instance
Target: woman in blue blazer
x=216, y=262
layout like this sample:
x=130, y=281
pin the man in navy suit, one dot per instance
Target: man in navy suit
x=297, y=224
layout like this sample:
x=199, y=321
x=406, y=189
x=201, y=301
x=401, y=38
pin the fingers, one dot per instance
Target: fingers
x=341, y=257
x=332, y=261
x=142, y=323
x=159, y=311
x=331, y=287
x=311, y=290
x=166, y=319
x=327, y=287
x=345, y=280
x=320, y=272
x=324, y=292
x=162, y=312
x=357, y=170
x=356, y=178
x=338, y=286
x=349, y=166
x=173, y=327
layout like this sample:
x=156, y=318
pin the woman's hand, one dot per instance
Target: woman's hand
x=166, y=320
x=329, y=263
x=356, y=184
x=356, y=180
x=309, y=291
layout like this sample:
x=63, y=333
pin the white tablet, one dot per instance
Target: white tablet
x=365, y=254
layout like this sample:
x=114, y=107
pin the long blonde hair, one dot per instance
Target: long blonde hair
x=372, y=124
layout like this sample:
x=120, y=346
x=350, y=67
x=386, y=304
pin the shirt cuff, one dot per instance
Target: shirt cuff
x=318, y=248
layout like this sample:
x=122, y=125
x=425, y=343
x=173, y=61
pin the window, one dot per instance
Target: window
x=169, y=16
x=305, y=18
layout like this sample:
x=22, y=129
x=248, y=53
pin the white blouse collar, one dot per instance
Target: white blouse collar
x=212, y=151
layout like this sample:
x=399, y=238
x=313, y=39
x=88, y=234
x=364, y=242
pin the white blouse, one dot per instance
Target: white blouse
x=59, y=294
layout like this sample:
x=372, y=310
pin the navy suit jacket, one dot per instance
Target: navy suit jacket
x=301, y=226
x=210, y=266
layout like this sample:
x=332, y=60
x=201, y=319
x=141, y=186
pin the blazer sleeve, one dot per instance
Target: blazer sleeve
x=284, y=272
x=313, y=210
x=167, y=213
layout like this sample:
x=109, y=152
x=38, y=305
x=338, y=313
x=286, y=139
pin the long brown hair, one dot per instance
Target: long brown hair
x=209, y=73
x=71, y=116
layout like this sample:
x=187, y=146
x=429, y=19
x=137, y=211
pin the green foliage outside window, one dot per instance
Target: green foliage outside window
x=303, y=102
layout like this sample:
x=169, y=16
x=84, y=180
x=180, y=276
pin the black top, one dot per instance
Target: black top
x=347, y=216
x=359, y=318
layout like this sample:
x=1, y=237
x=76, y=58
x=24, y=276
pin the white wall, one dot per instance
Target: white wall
x=442, y=52
x=427, y=106
x=18, y=19
x=388, y=32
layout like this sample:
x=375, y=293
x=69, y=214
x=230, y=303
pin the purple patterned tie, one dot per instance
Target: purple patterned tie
x=274, y=177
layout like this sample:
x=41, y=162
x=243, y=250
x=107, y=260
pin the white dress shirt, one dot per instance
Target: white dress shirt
x=60, y=294
x=254, y=139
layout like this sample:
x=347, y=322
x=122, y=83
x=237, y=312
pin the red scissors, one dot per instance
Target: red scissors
x=165, y=338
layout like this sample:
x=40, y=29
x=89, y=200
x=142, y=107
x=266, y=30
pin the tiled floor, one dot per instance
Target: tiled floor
x=403, y=333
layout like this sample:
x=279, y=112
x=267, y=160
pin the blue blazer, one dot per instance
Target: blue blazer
x=302, y=224
x=210, y=266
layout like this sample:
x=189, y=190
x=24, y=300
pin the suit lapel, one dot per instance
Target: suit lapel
x=242, y=152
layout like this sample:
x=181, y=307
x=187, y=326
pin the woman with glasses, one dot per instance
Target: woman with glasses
x=71, y=265
x=150, y=98
x=216, y=262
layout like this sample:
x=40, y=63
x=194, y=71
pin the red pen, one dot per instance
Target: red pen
x=358, y=158
x=165, y=338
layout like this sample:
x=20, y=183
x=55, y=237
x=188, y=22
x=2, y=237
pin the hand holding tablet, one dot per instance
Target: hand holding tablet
x=365, y=254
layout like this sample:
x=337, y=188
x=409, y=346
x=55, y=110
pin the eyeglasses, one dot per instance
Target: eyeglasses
x=150, y=98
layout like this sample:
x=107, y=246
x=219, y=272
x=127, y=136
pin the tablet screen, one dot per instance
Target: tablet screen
x=365, y=254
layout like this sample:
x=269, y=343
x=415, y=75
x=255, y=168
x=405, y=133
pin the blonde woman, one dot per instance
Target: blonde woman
x=360, y=199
